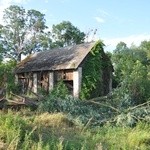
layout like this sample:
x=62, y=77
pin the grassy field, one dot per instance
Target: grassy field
x=27, y=130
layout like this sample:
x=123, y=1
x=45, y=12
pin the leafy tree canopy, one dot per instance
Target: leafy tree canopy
x=66, y=34
x=22, y=31
x=131, y=67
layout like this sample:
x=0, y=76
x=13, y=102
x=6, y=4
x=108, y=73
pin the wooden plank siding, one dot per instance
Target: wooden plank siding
x=25, y=80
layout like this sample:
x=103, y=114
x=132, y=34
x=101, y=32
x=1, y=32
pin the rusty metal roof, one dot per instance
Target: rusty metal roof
x=55, y=59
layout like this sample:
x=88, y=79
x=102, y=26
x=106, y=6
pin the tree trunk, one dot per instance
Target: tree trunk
x=19, y=57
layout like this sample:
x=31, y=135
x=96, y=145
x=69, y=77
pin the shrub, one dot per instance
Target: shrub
x=7, y=77
x=80, y=111
x=60, y=90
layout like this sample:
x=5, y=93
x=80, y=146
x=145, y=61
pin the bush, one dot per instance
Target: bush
x=60, y=90
x=12, y=129
x=53, y=120
x=80, y=111
x=7, y=77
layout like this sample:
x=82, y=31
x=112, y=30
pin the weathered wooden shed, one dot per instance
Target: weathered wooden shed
x=45, y=69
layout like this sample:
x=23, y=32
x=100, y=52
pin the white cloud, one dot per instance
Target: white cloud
x=46, y=1
x=99, y=19
x=3, y=5
x=103, y=12
x=20, y=1
x=62, y=1
x=101, y=16
x=133, y=39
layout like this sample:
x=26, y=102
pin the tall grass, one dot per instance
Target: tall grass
x=19, y=130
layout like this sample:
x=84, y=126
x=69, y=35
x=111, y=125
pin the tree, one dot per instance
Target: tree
x=145, y=45
x=7, y=78
x=22, y=31
x=65, y=34
x=120, y=58
x=39, y=39
x=1, y=46
x=121, y=46
x=131, y=73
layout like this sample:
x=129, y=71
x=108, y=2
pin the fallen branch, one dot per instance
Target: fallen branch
x=19, y=98
x=39, y=97
x=113, y=108
x=102, y=98
x=87, y=124
x=2, y=102
x=2, y=98
x=28, y=103
x=16, y=95
x=146, y=103
x=14, y=102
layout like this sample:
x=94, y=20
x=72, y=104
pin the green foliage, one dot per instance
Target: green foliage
x=92, y=72
x=7, y=78
x=125, y=138
x=131, y=72
x=24, y=33
x=1, y=46
x=130, y=117
x=11, y=128
x=15, y=33
x=66, y=34
x=83, y=111
x=52, y=131
x=1, y=53
x=60, y=90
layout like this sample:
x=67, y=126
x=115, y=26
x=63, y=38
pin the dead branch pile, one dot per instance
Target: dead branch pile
x=18, y=101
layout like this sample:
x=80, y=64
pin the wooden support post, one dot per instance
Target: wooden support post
x=35, y=82
x=51, y=81
x=30, y=81
x=16, y=79
x=77, y=78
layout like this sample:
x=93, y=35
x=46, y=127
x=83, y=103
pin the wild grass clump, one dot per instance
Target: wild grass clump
x=12, y=129
x=53, y=120
x=139, y=137
x=125, y=138
x=56, y=131
x=41, y=131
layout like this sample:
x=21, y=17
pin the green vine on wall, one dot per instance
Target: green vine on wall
x=92, y=72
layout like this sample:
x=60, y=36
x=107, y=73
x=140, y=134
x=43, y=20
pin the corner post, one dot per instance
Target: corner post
x=77, y=78
x=35, y=82
x=51, y=81
x=16, y=79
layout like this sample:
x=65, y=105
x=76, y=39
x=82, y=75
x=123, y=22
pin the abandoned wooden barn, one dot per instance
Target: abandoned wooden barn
x=45, y=69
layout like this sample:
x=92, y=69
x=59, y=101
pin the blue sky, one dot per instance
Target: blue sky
x=115, y=20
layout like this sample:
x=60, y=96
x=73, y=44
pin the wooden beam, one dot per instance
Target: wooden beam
x=16, y=79
x=77, y=79
x=51, y=81
x=35, y=82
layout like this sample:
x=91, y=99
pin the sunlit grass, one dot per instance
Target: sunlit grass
x=19, y=130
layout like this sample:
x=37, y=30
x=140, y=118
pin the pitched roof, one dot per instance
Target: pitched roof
x=55, y=59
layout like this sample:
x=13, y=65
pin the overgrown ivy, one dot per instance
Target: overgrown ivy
x=92, y=72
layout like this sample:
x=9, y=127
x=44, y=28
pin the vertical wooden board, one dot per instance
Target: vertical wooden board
x=35, y=82
x=68, y=75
